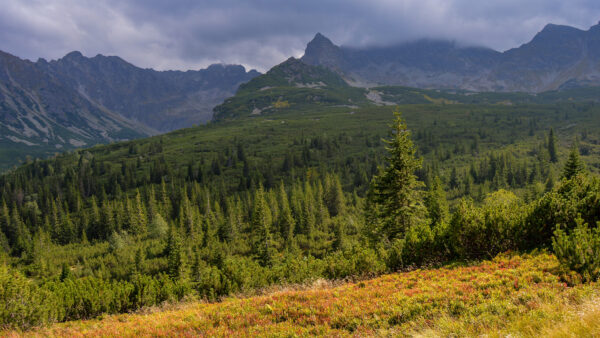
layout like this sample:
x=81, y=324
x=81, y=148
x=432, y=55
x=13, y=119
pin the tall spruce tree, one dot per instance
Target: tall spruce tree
x=261, y=225
x=174, y=255
x=395, y=201
x=334, y=196
x=287, y=223
x=574, y=165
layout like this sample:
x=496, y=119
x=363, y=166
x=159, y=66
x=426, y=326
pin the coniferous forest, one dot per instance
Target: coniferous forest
x=292, y=197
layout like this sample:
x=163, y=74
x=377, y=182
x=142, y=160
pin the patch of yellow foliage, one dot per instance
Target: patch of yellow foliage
x=440, y=100
x=281, y=104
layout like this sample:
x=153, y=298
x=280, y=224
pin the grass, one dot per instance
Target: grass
x=510, y=295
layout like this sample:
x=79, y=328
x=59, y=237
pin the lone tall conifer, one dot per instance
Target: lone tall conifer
x=574, y=165
x=395, y=201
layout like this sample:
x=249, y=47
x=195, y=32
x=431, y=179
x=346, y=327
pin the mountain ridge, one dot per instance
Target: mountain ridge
x=163, y=100
x=75, y=101
x=40, y=115
x=557, y=55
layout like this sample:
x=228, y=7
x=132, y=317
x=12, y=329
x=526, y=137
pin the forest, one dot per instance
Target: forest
x=339, y=193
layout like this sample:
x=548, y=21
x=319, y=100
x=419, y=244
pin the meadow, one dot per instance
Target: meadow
x=510, y=295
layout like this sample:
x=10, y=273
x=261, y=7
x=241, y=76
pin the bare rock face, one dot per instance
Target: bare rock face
x=557, y=57
x=163, y=100
x=40, y=115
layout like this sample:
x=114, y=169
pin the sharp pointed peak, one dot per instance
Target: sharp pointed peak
x=320, y=38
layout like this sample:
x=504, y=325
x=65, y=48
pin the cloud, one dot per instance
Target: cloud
x=187, y=34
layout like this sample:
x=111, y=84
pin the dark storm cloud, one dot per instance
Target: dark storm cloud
x=184, y=34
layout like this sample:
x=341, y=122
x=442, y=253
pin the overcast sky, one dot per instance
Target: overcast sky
x=191, y=34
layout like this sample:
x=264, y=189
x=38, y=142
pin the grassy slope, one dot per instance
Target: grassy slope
x=274, y=135
x=520, y=296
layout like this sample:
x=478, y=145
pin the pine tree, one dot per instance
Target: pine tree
x=339, y=232
x=287, y=223
x=4, y=245
x=552, y=148
x=436, y=203
x=394, y=200
x=67, y=229
x=229, y=229
x=165, y=200
x=334, y=196
x=574, y=165
x=261, y=225
x=65, y=272
x=108, y=221
x=174, y=254
x=186, y=219
x=152, y=206
x=454, y=182
x=139, y=261
x=4, y=219
x=141, y=217
x=17, y=234
x=322, y=212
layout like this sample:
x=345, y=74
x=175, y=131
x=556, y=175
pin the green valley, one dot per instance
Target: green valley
x=288, y=185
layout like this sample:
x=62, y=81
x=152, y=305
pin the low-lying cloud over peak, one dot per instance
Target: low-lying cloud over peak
x=187, y=34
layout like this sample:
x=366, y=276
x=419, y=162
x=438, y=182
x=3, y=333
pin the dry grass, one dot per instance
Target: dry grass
x=509, y=296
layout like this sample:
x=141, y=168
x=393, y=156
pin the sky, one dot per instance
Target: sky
x=192, y=34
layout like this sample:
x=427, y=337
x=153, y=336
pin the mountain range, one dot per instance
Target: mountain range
x=78, y=101
x=162, y=100
x=557, y=57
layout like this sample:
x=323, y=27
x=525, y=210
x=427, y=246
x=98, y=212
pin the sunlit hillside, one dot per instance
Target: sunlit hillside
x=508, y=296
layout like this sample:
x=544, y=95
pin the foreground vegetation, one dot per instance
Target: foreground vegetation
x=140, y=258
x=298, y=192
x=509, y=295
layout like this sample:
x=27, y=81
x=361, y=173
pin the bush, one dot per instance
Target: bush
x=576, y=198
x=579, y=250
x=484, y=232
x=355, y=261
x=22, y=303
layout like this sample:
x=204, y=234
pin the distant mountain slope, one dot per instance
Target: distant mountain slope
x=77, y=101
x=557, y=57
x=293, y=85
x=40, y=115
x=163, y=100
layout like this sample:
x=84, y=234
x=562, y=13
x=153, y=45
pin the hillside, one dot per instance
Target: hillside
x=426, y=189
x=162, y=100
x=557, y=57
x=249, y=201
x=509, y=296
x=74, y=102
x=39, y=115
x=290, y=86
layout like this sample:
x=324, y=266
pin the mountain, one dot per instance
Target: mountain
x=77, y=101
x=163, y=100
x=40, y=115
x=295, y=86
x=557, y=57
x=291, y=85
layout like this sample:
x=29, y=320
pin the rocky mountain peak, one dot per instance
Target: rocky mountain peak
x=321, y=51
x=74, y=55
